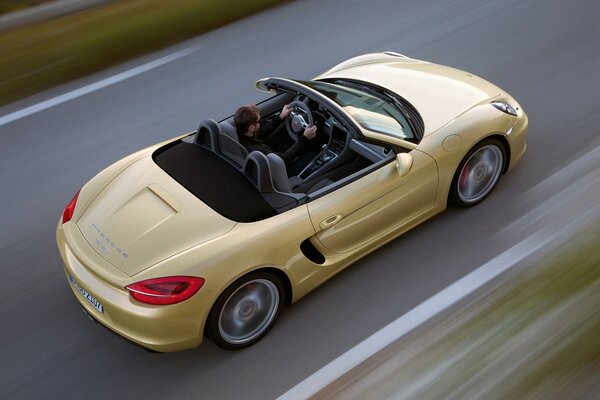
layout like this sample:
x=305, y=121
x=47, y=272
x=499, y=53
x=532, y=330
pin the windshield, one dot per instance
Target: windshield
x=372, y=112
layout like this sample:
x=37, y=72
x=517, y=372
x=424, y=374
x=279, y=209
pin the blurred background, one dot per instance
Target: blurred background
x=45, y=43
x=84, y=83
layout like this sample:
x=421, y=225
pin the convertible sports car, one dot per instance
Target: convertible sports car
x=197, y=237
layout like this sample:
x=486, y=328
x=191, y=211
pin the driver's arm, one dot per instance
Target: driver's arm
x=269, y=128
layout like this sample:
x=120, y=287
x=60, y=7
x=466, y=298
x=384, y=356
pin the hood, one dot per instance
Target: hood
x=144, y=216
x=438, y=93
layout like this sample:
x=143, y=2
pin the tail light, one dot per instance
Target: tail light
x=69, y=209
x=167, y=290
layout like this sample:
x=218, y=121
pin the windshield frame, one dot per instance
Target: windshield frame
x=364, y=93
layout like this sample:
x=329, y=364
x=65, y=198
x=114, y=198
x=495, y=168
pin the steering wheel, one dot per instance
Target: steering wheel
x=299, y=118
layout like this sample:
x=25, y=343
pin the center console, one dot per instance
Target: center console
x=329, y=152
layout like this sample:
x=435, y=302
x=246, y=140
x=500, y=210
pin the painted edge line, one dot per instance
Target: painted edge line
x=415, y=317
x=6, y=119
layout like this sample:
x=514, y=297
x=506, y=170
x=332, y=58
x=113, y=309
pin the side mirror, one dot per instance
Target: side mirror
x=265, y=85
x=404, y=162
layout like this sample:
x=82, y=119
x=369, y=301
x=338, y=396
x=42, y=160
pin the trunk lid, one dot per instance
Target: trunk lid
x=144, y=216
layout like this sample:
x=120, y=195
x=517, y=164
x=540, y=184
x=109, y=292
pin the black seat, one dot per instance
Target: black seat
x=279, y=176
x=260, y=170
x=229, y=144
x=207, y=134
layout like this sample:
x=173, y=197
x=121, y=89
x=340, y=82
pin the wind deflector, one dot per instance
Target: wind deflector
x=214, y=181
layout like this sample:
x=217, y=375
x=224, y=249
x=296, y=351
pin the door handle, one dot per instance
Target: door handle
x=330, y=221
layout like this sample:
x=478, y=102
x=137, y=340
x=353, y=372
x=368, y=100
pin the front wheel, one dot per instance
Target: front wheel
x=478, y=173
x=246, y=310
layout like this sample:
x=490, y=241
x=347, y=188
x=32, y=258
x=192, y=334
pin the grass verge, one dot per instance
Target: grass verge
x=536, y=336
x=39, y=56
x=7, y=6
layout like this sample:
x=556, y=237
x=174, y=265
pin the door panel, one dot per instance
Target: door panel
x=374, y=204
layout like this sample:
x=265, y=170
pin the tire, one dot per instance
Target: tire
x=478, y=173
x=246, y=310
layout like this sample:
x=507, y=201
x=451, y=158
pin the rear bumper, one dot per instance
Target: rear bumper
x=159, y=328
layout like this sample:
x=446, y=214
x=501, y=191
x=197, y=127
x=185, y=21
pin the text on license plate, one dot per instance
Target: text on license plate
x=97, y=305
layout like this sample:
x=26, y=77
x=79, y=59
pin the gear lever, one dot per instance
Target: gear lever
x=324, y=152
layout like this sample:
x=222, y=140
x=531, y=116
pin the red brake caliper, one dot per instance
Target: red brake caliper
x=464, y=176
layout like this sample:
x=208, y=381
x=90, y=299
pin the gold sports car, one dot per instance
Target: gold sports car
x=197, y=237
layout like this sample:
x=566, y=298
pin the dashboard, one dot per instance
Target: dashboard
x=335, y=147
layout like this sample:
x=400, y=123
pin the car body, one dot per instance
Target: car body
x=193, y=237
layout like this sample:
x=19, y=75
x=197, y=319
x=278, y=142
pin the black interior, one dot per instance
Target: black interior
x=231, y=183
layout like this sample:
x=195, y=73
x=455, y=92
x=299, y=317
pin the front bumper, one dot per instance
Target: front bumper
x=159, y=328
x=517, y=137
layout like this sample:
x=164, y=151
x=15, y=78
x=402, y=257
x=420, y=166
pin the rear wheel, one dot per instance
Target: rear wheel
x=246, y=310
x=478, y=173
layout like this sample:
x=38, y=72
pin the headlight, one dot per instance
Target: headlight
x=504, y=107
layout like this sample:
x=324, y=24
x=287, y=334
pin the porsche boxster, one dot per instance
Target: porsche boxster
x=199, y=237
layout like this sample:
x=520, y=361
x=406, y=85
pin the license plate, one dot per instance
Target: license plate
x=97, y=305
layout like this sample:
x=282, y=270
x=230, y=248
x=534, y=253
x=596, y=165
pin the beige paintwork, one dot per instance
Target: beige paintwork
x=419, y=82
x=141, y=208
x=375, y=204
x=164, y=230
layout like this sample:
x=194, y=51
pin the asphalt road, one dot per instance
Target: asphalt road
x=546, y=53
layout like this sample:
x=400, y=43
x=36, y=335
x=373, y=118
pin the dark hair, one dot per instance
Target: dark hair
x=246, y=116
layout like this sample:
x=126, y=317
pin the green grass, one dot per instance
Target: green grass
x=7, y=6
x=562, y=294
x=535, y=336
x=37, y=57
x=573, y=275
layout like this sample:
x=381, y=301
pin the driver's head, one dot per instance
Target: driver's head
x=247, y=119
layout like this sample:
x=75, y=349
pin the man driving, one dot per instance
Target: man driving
x=253, y=136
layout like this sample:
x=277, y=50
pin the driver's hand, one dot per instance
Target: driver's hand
x=310, y=132
x=285, y=111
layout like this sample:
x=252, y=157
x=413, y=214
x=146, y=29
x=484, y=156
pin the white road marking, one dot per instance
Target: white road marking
x=417, y=316
x=95, y=86
x=580, y=209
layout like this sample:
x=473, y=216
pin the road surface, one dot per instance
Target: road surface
x=545, y=53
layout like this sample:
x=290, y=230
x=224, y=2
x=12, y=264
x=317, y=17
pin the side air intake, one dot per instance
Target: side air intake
x=310, y=251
